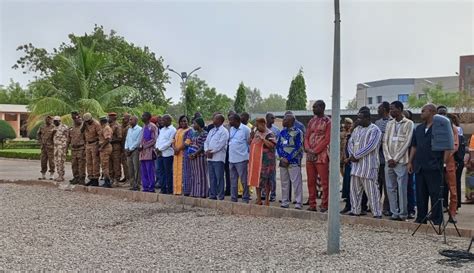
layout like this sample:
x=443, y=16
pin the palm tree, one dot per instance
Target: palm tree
x=81, y=82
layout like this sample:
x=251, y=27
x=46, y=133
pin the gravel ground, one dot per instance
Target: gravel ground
x=49, y=229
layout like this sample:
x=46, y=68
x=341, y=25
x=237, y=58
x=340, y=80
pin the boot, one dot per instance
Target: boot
x=74, y=181
x=107, y=183
x=259, y=197
x=43, y=177
x=81, y=181
x=51, y=176
x=59, y=179
x=94, y=182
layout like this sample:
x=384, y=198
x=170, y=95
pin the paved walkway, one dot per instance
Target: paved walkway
x=19, y=169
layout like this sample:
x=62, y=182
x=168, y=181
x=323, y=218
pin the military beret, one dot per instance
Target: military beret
x=87, y=116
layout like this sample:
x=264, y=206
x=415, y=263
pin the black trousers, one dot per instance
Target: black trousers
x=428, y=186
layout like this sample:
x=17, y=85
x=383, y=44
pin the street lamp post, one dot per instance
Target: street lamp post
x=184, y=76
x=334, y=232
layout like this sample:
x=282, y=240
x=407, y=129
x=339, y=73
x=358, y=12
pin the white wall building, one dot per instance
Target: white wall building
x=371, y=94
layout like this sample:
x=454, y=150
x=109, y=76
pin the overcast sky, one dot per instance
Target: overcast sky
x=262, y=43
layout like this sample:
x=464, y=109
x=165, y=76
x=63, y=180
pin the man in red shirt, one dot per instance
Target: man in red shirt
x=316, y=144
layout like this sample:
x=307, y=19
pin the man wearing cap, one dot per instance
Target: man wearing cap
x=91, y=129
x=125, y=127
x=60, y=139
x=45, y=138
x=105, y=149
x=78, y=154
x=115, y=157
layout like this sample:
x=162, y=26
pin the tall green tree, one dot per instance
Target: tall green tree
x=190, y=98
x=206, y=100
x=240, y=98
x=80, y=82
x=14, y=94
x=297, y=94
x=272, y=103
x=137, y=67
x=254, y=100
x=352, y=104
x=436, y=95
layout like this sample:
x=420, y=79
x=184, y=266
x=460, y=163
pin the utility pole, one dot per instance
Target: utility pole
x=334, y=219
x=184, y=76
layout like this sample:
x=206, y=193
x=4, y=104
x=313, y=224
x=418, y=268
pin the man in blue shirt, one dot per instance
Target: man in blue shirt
x=131, y=149
x=290, y=151
x=239, y=138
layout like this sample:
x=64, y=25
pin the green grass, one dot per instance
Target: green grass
x=24, y=154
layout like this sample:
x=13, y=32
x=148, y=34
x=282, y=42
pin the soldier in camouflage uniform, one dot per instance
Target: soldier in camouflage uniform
x=78, y=152
x=125, y=126
x=105, y=149
x=116, y=156
x=45, y=138
x=91, y=129
x=60, y=139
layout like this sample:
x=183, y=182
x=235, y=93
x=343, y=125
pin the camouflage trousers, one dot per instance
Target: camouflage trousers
x=92, y=161
x=47, y=156
x=116, y=162
x=60, y=158
x=78, y=161
x=104, y=160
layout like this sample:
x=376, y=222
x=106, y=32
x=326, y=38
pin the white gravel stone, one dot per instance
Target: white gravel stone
x=49, y=229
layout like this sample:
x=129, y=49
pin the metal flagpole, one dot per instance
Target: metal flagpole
x=334, y=225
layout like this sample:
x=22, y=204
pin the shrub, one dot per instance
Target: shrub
x=6, y=131
x=33, y=133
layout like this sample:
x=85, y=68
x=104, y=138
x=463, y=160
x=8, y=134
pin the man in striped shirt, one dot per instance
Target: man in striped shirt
x=363, y=148
x=396, y=141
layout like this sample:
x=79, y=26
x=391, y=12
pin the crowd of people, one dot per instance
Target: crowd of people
x=390, y=167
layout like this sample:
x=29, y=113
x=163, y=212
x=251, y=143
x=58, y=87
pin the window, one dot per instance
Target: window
x=403, y=97
x=379, y=99
x=369, y=100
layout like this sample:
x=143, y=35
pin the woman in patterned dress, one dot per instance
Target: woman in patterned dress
x=262, y=160
x=197, y=159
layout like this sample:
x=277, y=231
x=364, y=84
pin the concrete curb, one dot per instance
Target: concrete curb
x=235, y=208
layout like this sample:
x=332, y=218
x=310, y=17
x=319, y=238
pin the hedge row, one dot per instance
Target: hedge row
x=22, y=145
x=24, y=154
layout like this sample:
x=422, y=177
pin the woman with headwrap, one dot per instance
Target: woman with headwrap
x=197, y=177
x=262, y=160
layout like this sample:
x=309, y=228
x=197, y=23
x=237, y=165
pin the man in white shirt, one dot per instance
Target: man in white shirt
x=395, y=144
x=239, y=138
x=132, y=142
x=215, y=148
x=165, y=153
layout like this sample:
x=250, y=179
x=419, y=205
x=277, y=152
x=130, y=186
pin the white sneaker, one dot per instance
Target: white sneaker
x=51, y=176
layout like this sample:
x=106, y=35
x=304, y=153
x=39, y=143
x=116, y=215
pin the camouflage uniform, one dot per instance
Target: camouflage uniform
x=78, y=154
x=91, y=135
x=124, y=154
x=45, y=137
x=106, y=149
x=60, y=139
x=116, y=156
